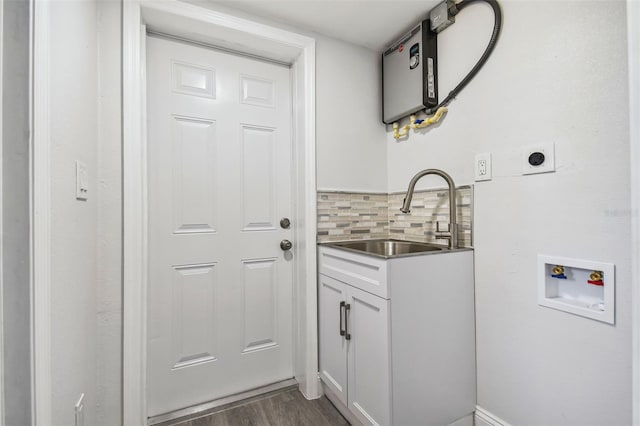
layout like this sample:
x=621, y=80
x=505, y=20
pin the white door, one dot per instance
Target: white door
x=369, y=362
x=219, y=181
x=333, y=345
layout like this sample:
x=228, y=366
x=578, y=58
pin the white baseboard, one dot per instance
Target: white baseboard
x=485, y=418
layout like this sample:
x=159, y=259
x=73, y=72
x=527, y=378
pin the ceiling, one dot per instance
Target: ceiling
x=370, y=23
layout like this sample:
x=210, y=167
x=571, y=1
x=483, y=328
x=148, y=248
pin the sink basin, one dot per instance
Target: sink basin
x=388, y=248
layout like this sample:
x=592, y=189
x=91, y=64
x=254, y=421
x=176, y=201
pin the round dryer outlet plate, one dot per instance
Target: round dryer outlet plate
x=538, y=159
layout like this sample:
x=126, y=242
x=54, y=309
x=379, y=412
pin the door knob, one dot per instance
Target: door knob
x=285, y=245
x=285, y=223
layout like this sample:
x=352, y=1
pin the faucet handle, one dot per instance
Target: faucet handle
x=443, y=235
x=438, y=227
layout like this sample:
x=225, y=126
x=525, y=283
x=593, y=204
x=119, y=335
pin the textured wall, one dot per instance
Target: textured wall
x=74, y=224
x=109, y=272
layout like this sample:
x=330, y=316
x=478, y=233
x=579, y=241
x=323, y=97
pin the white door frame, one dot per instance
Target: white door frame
x=204, y=25
x=1, y=257
x=633, y=26
x=41, y=381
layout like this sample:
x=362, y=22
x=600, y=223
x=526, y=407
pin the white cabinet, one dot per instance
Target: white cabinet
x=397, y=336
x=332, y=299
x=369, y=387
x=354, y=350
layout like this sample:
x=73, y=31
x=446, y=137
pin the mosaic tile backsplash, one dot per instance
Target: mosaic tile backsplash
x=357, y=216
x=352, y=216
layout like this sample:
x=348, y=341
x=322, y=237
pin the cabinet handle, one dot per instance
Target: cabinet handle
x=346, y=321
x=342, y=305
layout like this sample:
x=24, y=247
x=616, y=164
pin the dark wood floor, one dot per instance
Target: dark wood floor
x=288, y=408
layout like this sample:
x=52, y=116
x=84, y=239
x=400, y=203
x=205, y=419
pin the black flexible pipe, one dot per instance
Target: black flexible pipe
x=497, y=26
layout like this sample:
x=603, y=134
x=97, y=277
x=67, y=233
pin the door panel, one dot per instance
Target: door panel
x=258, y=178
x=194, y=180
x=368, y=358
x=219, y=180
x=193, y=318
x=333, y=346
x=260, y=315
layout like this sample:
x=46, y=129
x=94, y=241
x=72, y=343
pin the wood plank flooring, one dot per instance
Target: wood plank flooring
x=287, y=408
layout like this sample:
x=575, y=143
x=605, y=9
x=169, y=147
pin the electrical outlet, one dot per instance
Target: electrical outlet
x=80, y=411
x=538, y=159
x=483, y=167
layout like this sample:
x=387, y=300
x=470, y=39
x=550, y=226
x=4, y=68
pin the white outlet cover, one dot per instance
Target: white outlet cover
x=483, y=167
x=549, y=164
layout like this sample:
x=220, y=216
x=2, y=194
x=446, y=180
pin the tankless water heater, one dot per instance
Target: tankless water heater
x=410, y=74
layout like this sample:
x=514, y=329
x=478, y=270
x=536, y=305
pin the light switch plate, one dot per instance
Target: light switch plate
x=541, y=153
x=483, y=167
x=82, y=181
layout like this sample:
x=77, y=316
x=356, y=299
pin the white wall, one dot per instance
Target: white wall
x=74, y=134
x=633, y=26
x=351, y=149
x=559, y=74
x=109, y=171
x=86, y=235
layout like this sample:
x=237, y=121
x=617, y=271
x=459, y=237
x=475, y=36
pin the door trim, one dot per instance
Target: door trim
x=205, y=25
x=1, y=227
x=42, y=388
x=633, y=26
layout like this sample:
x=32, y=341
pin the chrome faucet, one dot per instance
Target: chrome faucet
x=452, y=233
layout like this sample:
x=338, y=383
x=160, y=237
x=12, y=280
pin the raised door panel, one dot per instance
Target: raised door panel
x=194, y=178
x=193, y=315
x=258, y=178
x=368, y=358
x=257, y=91
x=333, y=346
x=195, y=80
x=260, y=309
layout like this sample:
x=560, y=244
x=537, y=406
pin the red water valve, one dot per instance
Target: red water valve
x=596, y=278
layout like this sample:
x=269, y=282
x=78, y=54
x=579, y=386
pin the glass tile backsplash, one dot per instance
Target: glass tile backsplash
x=357, y=216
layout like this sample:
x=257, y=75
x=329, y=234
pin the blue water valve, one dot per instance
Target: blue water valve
x=558, y=272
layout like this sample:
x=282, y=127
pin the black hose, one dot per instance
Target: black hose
x=497, y=26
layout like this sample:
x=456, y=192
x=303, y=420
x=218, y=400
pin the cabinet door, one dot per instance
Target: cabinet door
x=369, y=365
x=333, y=346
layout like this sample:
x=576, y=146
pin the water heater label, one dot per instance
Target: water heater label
x=431, y=86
